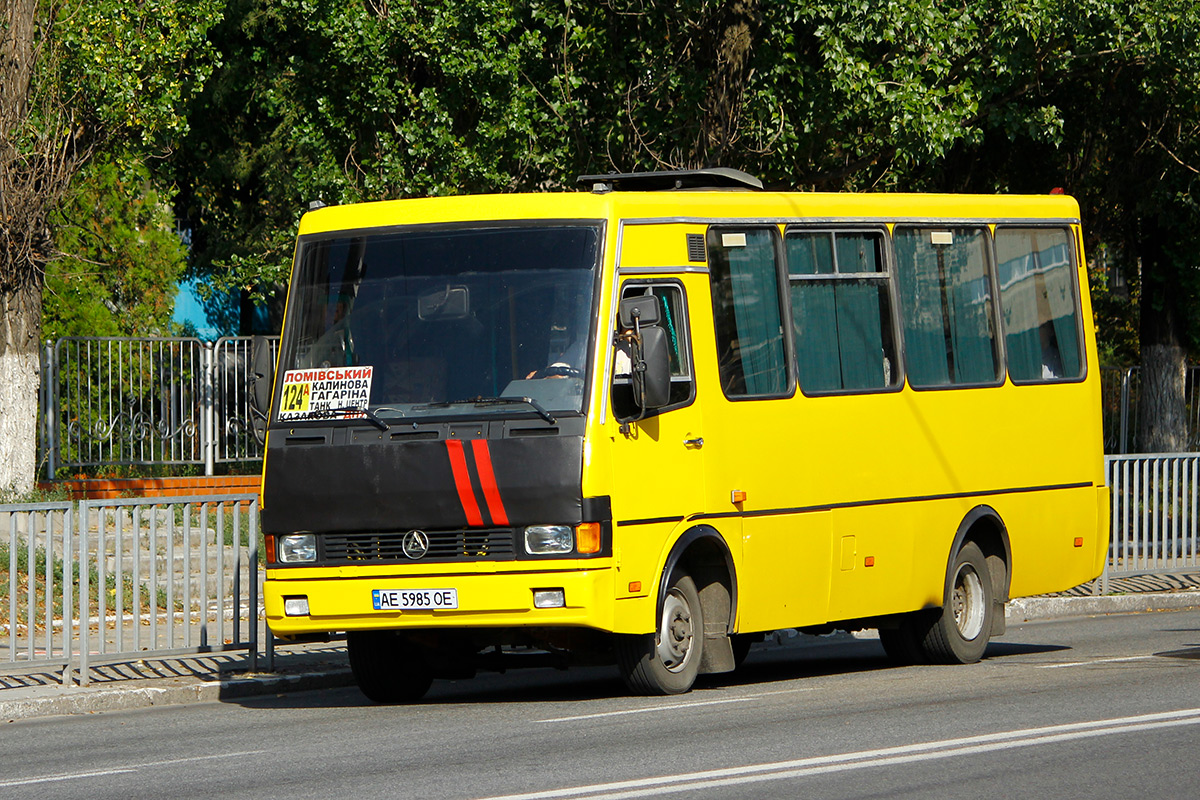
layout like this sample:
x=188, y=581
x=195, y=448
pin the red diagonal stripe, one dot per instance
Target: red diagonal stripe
x=462, y=482
x=487, y=479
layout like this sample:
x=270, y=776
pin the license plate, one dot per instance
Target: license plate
x=413, y=599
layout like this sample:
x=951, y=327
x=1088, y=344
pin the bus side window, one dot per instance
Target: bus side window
x=744, y=280
x=1038, y=301
x=946, y=306
x=673, y=312
x=841, y=311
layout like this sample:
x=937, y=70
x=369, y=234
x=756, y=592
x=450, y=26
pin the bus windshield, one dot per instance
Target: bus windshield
x=438, y=321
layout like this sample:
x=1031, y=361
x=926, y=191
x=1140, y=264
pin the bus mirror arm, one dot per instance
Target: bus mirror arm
x=263, y=369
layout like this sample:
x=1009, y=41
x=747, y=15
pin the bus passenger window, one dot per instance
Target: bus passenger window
x=946, y=306
x=744, y=281
x=1038, y=303
x=675, y=322
x=841, y=311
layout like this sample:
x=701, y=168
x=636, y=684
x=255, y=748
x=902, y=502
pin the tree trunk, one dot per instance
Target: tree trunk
x=30, y=182
x=1163, y=422
x=20, y=322
x=736, y=34
x=1161, y=413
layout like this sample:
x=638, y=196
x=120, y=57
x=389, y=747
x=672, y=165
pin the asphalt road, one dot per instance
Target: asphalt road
x=1104, y=707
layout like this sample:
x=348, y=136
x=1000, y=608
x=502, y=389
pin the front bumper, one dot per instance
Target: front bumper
x=344, y=603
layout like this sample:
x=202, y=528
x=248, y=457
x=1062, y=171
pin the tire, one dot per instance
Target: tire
x=960, y=633
x=386, y=667
x=668, y=661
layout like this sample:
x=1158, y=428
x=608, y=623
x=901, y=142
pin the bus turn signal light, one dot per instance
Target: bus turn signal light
x=1079, y=541
x=587, y=537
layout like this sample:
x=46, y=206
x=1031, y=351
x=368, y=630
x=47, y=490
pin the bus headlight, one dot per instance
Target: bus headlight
x=546, y=539
x=297, y=548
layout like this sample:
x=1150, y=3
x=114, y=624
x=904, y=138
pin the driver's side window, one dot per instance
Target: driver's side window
x=674, y=321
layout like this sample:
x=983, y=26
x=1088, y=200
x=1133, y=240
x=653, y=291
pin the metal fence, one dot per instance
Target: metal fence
x=1121, y=393
x=1155, y=514
x=147, y=401
x=106, y=581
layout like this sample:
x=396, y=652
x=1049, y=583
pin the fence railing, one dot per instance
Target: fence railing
x=106, y=581
x=1155, y=514
x=147, y=401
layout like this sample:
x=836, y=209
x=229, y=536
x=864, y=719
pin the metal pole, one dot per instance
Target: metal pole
x=1122, y=446
x=207, y=368
x=84, y=594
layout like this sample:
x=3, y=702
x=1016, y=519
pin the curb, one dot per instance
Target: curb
x=1029, y=609
x=82, y=700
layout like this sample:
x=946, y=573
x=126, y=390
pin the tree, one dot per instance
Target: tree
x=76, y=77
x=339, y=102
x=322, y=100
x=121, y=256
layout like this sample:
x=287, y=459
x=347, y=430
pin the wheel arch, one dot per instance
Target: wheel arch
x=703, y=553
x=984, y=526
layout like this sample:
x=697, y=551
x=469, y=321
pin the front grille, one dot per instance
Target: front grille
x=462, y=545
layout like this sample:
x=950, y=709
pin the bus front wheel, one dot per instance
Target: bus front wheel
x=386, y=667
x=668, y=661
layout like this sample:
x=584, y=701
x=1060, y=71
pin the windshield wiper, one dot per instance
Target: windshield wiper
x=366, y=412
x=495, y=401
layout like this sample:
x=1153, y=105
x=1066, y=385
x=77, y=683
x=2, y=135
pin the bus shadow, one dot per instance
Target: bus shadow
x=582, y=684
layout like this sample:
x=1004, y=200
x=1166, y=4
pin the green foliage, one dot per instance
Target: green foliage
x=324, y=100
x=122, y=257
x=127, y=68
x=342, y=102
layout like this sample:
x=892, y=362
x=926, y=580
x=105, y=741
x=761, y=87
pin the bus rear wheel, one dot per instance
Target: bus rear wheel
x=386, y=667
x=958, y=632
x=668, y=661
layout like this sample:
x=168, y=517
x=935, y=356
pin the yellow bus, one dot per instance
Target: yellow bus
x=645, y=422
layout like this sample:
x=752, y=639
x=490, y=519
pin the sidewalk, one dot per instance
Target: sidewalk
x=223, y=676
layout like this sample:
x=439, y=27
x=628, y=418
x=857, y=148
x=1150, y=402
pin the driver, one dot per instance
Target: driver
x=566, y=364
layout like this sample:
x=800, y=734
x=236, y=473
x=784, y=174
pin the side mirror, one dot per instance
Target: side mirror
x=652, y=378
x=649, y=352
x=638, y=311
x=262, y=368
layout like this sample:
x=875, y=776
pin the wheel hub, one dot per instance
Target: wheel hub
x=967, y=603
x=675, y=637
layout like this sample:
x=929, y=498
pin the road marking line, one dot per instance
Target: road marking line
x=1093, y=661
x=903, y=754
x=119, y=770
x=72, y=777
x=646, y=710
x=671, y=707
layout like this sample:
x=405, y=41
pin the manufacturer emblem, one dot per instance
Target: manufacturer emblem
x=415, y=544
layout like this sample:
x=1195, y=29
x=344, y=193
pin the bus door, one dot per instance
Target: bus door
x=759, y=460
x=658, y=475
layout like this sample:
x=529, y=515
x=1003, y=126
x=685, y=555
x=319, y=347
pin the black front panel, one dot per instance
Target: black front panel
x=333, y=482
